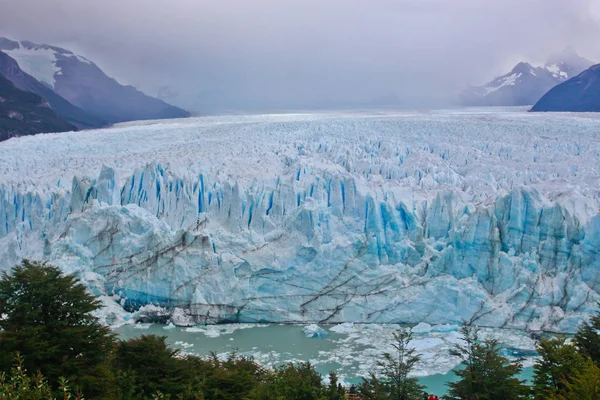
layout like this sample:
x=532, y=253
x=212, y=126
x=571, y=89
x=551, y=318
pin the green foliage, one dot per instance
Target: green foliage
x=333, y=391
x=231, y=379
x=485, y=374
x=150, y=367
x=19, y=385
x=394, y=381
x=396, y=367
x=587, y=338
x=292, y=382
x=48, y=319
x=558, y=364
x=583, y=385
x=373, y=389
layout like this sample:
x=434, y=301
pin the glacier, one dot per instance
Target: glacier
x=489, y=216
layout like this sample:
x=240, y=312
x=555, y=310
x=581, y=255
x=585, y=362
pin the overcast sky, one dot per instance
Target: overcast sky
x=248, y=55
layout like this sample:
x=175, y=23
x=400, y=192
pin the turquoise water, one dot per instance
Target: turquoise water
x=352, y=352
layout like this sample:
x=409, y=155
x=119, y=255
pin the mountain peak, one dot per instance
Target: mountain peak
x=571, y=59
x=522, y=67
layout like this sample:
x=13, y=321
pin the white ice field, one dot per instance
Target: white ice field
x=489, y=216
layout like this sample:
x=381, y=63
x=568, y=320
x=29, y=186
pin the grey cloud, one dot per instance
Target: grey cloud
x=243, y=55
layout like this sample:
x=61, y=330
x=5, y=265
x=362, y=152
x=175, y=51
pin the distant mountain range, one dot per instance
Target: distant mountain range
x=526, y=84
x=76, y=88
x=581, y=94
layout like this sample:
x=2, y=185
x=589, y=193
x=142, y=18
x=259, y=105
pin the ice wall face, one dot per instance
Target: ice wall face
x=371, y=223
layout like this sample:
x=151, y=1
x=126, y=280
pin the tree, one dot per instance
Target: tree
x=558, y=364
x=231, y=379
x=394, y=380
x=332, y=389
x=151, y=367
x=373, y=389
x=587, y=338
x=396, y=367
x=292, y=382
x=47, y=318
x=584, y=385
x=485, y=374
x=19, y=385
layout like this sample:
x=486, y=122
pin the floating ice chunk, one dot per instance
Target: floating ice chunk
x=445, y=328
x=314, y=331
x=169, y=326
x=213, y=333
x=425, y=344
x=364, y=341
x=195, y=329
x=373, y=326
x=142, y=326
x=421, y=328
x=346, y=327
x=184, y=345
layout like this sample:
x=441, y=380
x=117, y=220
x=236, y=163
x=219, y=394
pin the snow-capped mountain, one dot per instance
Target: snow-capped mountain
x=85, y=85
x=526, y=84
x=10, y=70
x=409, y=217
x=581, y=93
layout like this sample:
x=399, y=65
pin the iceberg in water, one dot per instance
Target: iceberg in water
x=436, y=218
x=314, y=331
x=421, y=328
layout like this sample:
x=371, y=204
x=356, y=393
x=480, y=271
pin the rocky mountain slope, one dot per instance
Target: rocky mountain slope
x=11, y=70
x=581, y=93
x=525, y=84
x=85, y=85
x=24, y=113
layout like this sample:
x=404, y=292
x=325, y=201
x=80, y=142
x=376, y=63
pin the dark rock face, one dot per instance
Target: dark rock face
x=83, y=84
x=580, y=94
x=81, y=119
x=526, y=84
x=23, y=113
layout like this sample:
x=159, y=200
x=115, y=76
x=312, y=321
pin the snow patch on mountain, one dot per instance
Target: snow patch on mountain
x=526, y=83
x=557, y=72
x=506, y=81
x=39, y=61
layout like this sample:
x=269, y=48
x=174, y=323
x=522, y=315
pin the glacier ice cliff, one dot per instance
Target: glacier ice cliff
x=491, y=217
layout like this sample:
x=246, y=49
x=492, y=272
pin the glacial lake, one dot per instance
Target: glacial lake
x=350, y=349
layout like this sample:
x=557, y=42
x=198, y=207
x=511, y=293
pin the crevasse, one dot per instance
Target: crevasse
x=344, y=241
x=314, y=248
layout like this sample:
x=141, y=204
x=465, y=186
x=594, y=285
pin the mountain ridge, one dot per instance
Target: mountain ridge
x=579, y=94
x=82, y=83
x=81, y=119
x=525, y=84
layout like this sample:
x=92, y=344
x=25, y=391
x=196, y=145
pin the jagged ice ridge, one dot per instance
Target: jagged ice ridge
x=410, y=217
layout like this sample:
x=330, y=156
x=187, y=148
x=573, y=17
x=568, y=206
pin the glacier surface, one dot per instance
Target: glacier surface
x=439, y=217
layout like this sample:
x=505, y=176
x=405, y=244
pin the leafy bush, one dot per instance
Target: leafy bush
x=47, y=317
